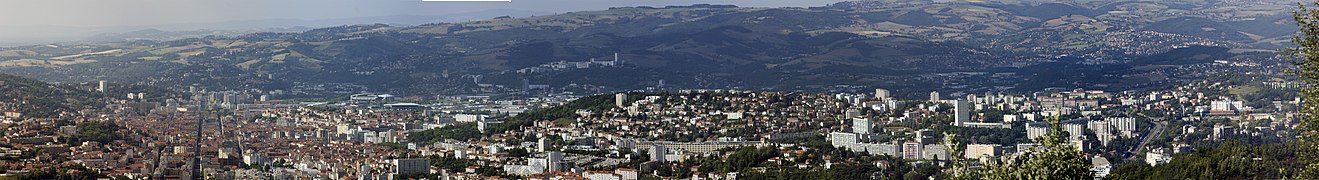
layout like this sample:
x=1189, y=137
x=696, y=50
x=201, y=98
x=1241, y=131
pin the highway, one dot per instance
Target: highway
x=1159, y=126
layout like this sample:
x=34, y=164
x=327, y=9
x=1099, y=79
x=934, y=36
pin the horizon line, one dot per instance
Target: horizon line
x=467, y=0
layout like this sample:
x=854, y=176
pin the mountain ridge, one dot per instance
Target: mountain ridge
x=905, y=45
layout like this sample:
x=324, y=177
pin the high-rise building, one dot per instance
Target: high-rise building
x=619, y=99
x=839, y=139
x=1075, y=129
x=1036, y=130
x=482, y=125
x=526, y=85
x=1102, y=130
x=881, y=94
x=254, y=158
x=555, y=161
x=1126, y=126
x=934, y=96
x=100, y=87
x=468, y=117
x=923, y=136
x=963, y=112
x=657, y=152
x=543, y=144
x=912, y=150
x=412, y=166
x=861, y=125
x=851, y=113
x=1221, y=132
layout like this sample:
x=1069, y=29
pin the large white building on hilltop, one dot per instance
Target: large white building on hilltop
x=563, y=65
x=881, y=93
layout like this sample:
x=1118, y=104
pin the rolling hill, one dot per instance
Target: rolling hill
x=912, y=45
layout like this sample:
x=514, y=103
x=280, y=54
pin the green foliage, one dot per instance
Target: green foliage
x=959, y=167
x=450, y=163
x=490, y=171
x=566, y=112
x=895, y=169
x=103, y=132
x=393, y=145
x=1307, y=67
x=1232, y=160
x=69, y=173
x=42, y=100
x=745, y=158
x=1053, y=160
x=518, y=152
x=458, y=132
x=974, y=135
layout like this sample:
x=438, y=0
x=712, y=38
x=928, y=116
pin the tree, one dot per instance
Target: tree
x=103, y=132
x=1231, y=160
x=1306, y=58
x=393, y=145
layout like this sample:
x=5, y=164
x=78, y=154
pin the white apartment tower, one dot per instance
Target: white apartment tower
x=619, y=99
x=934, y=96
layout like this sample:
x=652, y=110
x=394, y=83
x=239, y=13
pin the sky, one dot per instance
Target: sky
x=103, y=13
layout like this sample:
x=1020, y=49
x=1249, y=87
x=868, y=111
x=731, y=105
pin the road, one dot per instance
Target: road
x=1159, y=126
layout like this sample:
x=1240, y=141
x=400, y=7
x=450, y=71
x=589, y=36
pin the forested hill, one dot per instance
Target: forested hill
x=34, y=98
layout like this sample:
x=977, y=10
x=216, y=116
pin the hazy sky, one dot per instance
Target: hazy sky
x=155, y=12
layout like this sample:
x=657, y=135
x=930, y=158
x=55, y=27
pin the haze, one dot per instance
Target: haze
x=30, y=22
x=83, y=13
